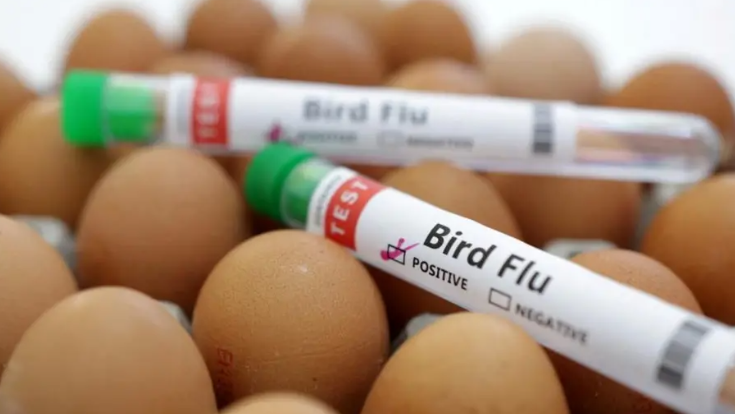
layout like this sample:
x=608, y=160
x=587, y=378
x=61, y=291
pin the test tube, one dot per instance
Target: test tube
x=674, y=356
x=389, y=127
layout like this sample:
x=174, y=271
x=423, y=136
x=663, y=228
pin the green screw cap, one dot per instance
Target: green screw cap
x=267, y=174
x=93, y=110
x=81, y=108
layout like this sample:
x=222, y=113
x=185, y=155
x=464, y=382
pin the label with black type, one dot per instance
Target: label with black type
x=344, y=122
x=632, y=337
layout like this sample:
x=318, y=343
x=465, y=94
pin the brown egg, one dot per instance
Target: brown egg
x=427, y=29
x=546, y=63
x=200, y=63
x=206, y=64
x=279, y=403
x=679, y=87
x=159, y=221
x=115, y=40
x=441, y=75
x=692, y=235
x=590, y=393
x=432, y=75
x=323, y=48
x=291, y=311
x=370, y=15
x=33, y=277
x=40, y=173
x=468, y=363
x=453, y=189
x=106, y=350
x=549, y=208
x=14, y=94
x=237, y=29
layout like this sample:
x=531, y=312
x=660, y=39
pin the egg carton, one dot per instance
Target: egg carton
x=178, y=313
x=413, y=327
x=56, y=233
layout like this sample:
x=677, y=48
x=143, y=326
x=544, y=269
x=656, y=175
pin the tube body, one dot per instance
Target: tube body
x=670, y=354
x=382, y=126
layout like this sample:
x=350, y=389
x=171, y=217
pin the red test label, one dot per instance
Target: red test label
x=345, y=207
x=209, y=112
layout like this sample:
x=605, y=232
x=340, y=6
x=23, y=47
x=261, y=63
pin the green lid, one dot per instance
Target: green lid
x=81, y=108
x=266, y=175
x=94, y=110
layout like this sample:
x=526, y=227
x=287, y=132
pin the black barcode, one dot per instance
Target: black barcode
x=678, y=353
x=543, y=129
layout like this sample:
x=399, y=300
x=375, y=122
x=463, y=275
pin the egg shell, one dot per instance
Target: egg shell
x=590, y=392
x=40, y=173
x=159, y=221
x=237, y=29
x=468, y=363
x=679, y=87
x=279, y=403
x=546, y=63
x=370, y=15
x=200, y=63
x=291, y=311
x=33, y=277
x=453, y=189
x=691, y=235
x=210, y=65
x=116, y=39
x=548, y=208
x=323, y=48
x=426, y=29
x=106, y=350
x=441, y=75
x=14, y=94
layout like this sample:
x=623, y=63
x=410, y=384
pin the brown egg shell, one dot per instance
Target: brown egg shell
x=425, y=29
x=546, y=63
x=111, y=350
x=115, y=39
x=689, y=234
x=40, y=173
x=291, y=311
x=549, y=208
x=33, y=278
x=159, y=221
x=279, y=403
x=237, y=29
x=468, y=363
x=323, y=48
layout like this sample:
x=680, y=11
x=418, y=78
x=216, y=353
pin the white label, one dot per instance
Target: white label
x=666, y=352
x=375, y=125
x=568, y=248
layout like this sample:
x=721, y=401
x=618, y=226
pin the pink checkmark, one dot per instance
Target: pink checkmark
x=399, y=250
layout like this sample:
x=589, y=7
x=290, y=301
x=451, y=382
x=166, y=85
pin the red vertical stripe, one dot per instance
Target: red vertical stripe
x=209, y=123
x=345, y=207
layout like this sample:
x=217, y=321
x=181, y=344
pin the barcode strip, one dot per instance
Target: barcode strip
x=678, y=353
x=543, y=129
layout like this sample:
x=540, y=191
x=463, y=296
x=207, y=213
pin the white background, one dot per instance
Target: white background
x=625, y=34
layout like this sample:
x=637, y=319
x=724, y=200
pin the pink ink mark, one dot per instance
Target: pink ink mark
x=397, y=251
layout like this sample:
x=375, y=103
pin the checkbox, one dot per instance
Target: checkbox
x=390, y=139
x=396, y=254
x=500, y=299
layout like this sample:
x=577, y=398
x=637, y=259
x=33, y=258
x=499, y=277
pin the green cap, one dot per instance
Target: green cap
x=267, y=174
x=91, y=109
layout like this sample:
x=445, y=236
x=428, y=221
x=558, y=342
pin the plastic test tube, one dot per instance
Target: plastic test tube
x=679, y=358
x=382, y=126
